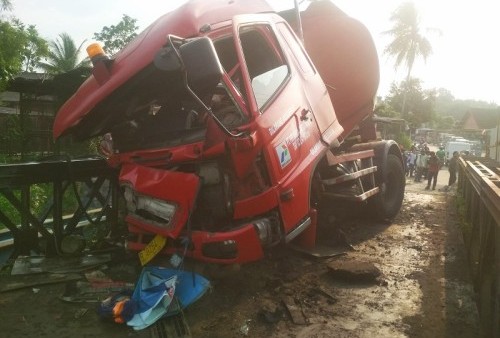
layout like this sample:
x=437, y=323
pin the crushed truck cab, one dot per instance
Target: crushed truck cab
x=232, y=135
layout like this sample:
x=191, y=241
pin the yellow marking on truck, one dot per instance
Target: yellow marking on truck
x=152, y=249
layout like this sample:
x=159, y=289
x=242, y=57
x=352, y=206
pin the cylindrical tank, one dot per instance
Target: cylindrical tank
x=344, y=53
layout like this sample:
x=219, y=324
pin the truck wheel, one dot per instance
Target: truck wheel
x=386, y=204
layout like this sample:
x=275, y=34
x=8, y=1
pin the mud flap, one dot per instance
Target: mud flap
x=307, y=242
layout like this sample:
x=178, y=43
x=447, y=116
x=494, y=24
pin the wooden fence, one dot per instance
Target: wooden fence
x=479, y=196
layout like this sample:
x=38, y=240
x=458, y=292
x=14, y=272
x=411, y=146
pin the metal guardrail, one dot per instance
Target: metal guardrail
x=479, y=188
x=89, y=181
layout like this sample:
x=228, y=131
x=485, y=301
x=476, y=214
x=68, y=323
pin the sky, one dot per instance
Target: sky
x=464, y=35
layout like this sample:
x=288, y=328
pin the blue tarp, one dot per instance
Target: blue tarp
x=157, y=287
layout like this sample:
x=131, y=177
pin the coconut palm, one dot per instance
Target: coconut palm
x=63, y=55
x=5, y=5
x=408, y=42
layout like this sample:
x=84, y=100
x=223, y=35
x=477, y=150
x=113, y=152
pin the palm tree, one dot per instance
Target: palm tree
x=5, y=5
x=63, y=56
x=408, y=43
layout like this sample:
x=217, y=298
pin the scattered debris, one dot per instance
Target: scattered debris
x=119, y=308
x=80, y=313
x=295, y=311
x=171, y=327
x=38, y=280
x=354, y=271
x=270, y=312
x=24, y=265
x=325, y=293
x=245, y=328
x=97, y=276
x=86, y=292
x=155, y=291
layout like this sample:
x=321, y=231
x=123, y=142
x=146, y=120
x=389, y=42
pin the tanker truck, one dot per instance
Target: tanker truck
x=233, y=135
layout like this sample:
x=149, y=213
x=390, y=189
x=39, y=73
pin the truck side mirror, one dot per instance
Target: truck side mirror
x=202, y=65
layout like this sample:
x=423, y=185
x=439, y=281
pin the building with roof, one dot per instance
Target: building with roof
x=484, y=124
x=28, y=108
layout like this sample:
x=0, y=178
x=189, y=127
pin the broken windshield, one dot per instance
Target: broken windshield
x=155, y=110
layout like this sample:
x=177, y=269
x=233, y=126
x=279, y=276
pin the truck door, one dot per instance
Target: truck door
x=283, y=116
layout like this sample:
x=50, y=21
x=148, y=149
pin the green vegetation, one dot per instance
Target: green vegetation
x=465, y=225
x=63, y=56
x=435, y=108
x=432, y=108
x=117, y=37
x=40, y=195
x=404, y=140
x=22, y=49
x=408, y=42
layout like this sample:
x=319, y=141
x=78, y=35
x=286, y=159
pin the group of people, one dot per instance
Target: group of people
x=424, y=164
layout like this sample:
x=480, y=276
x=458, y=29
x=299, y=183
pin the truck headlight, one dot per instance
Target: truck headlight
x=156, y=211
x=162, y=210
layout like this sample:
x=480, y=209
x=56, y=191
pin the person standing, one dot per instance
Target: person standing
x=432, y=171
x=421, y=164
x=410, y=163
x=441, y=155
x=452, y=168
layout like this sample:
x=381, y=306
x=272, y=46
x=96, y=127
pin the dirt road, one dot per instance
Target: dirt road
x=410, y=280
x=423, y=289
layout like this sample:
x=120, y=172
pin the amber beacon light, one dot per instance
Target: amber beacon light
x=100, y=61
x=94, y=50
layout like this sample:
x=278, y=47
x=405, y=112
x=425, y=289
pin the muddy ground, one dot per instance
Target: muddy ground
x=412, y=281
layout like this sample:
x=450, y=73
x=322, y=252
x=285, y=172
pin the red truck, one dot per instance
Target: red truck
x=232, y=135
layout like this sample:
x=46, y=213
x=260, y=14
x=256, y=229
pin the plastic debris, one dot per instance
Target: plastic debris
x=25, y=265
x=175, y=260
x=79, y=291
x=155, y=291
x=245, y=328
x=119, y=308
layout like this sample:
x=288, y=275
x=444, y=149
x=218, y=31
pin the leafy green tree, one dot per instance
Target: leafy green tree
x=448, y=105
x=20, y=47
x=420, y=103
x=63, y=55
x=5, y=5
x=117, y=37
x=444, y=123
x=35, y=49
x=12, y=43
x=408, y=42
x=13, y=136
x=385, y=110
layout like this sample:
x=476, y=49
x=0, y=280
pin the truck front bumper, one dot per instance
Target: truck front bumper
x=240, y=245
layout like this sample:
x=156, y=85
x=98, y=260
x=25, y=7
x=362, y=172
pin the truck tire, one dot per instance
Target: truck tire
x=386, y=204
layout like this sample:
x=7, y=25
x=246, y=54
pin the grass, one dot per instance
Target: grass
x=465, y=225
x=40, y=196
